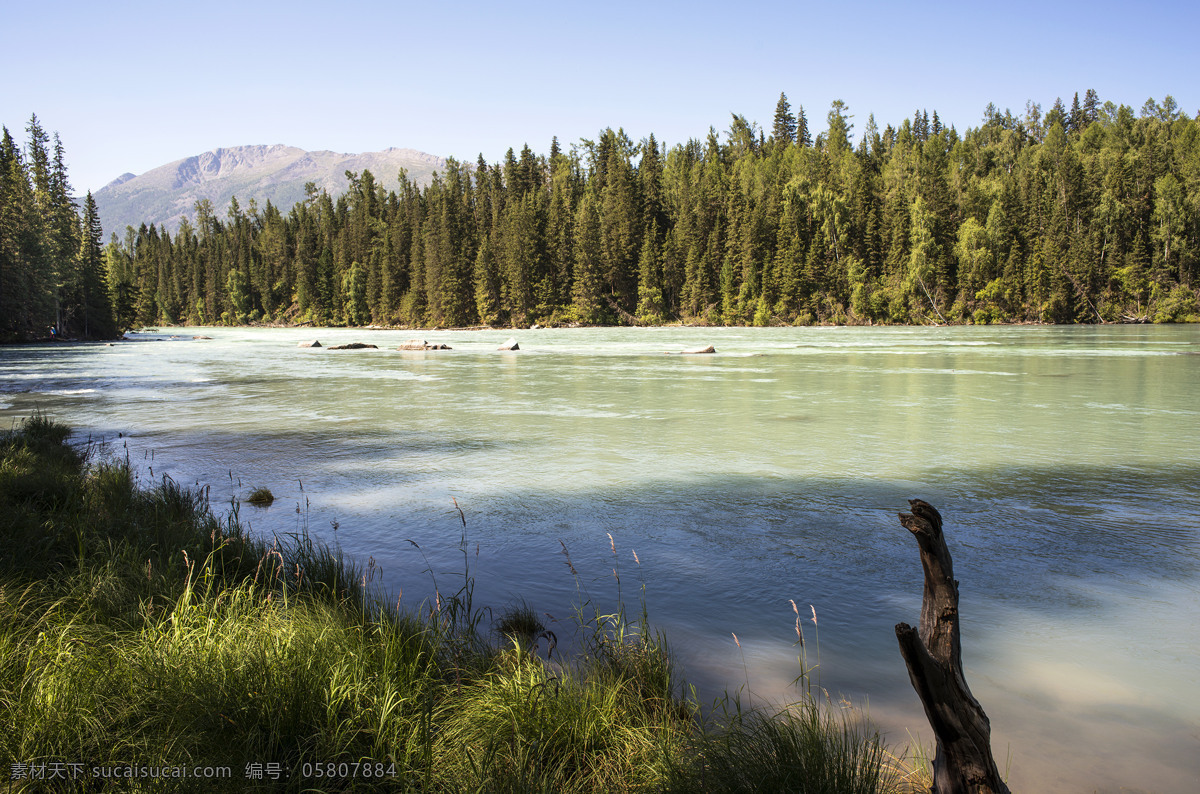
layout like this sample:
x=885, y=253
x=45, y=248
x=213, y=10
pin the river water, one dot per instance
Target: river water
x=1065, y=462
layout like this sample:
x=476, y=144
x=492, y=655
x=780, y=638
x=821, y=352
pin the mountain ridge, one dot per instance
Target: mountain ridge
x=263, y=172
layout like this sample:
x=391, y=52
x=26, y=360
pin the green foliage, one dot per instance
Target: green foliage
x=1179, y=305
x=354, y=288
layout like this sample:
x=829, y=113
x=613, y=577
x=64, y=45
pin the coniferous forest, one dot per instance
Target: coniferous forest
x=52, y=261
x=1087, y=213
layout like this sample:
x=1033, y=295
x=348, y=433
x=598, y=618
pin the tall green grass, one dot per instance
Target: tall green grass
x=137, y=627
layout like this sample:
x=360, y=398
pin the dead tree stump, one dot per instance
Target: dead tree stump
x=963, y=763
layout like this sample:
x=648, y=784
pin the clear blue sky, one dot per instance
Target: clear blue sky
x=133, y=85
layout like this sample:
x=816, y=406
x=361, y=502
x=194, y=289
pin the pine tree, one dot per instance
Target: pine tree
x=559, y=228
x=803, y=136
x=922, y=126
x=1075, y=119
x=784, y=128
x=650, y=295
x=519, y=252
x=1091, y=106
x=838, y=137
x=587, y=295
x=26, y=291
x=487, y=284
x=96, y=307
x=620, y=220
x=52, y=246
x=1056, y=115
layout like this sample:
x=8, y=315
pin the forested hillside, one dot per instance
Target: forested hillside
x=1088, y=213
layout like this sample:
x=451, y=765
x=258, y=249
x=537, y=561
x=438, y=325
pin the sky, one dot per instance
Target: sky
x=130, y=86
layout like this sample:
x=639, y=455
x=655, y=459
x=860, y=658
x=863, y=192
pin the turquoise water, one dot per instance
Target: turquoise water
x=1064, y=461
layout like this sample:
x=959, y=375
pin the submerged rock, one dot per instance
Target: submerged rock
x=355, y=346
x=695, y=351
x=421, y=344
x=511, y=344
x=313, y=343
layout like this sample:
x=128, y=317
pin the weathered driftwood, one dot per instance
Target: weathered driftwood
x=963, y=762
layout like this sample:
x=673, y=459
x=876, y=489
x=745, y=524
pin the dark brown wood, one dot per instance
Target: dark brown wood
x=963, y=763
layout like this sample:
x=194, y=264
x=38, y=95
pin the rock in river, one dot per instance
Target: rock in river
x=421, y=344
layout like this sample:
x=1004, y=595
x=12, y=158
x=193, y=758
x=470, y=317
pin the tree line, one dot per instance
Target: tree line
x=1088, y=213
x=53, y=279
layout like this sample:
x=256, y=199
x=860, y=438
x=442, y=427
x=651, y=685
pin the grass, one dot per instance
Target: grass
x=804, y=748
x=139, y=628
x=520, y=622
x=261, y=497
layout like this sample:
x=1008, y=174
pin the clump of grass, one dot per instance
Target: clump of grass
x=806, y=748
x=520, y=621
x=261, y=497
x=523, y=727
x=913, y=768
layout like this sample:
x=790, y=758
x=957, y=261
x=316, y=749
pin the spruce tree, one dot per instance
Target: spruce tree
x=840, y=127
x=803, y=136
x=587, y=295
x=1075, y=120
x=19, y=293
x=1056, y=115
x=784, y=128
x=650, y=294
x=1091, y=106
x=96, y=307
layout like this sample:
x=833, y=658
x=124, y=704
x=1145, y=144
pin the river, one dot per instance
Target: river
x=1065, y=461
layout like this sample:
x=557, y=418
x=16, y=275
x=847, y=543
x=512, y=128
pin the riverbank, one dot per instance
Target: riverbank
x=143, y=635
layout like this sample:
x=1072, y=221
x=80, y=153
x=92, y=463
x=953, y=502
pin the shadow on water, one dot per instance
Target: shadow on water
x=353, y=442
x=1050, y=528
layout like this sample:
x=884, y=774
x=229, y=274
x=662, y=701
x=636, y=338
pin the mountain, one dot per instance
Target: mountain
x=263, y=173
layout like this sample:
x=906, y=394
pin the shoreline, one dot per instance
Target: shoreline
x=42, y=341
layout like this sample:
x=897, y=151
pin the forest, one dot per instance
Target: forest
x=53, y=274
x=1086, y=213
